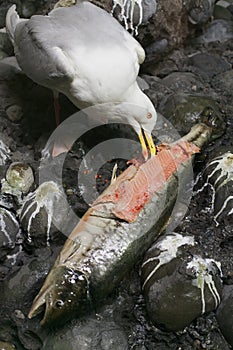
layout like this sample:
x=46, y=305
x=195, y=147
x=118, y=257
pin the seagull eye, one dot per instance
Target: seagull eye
x=149, y=115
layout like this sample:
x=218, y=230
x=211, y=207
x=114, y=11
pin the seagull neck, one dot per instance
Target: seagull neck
x=135, y=95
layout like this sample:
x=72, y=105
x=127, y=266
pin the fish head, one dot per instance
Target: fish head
x=213, y=119
x=64, y=294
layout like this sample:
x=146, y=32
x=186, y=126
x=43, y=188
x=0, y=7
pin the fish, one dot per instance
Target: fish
x=116, y=231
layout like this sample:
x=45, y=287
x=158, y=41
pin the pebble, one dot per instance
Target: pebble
x=6, y=346
x=19, y=179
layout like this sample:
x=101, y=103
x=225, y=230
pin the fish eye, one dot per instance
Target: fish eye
x=149, y=115
x=59, y=303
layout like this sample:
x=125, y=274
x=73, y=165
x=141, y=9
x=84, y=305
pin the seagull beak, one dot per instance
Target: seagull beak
x=150, y=143
x=143, y=144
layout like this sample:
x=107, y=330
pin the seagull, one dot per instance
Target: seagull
x=85, y=53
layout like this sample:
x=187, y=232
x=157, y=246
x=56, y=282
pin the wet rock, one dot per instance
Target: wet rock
x=179, y=287
x=219, y=30
x=4, y=152
x=14, y=112
x=183, y=82
x=218, y=176
x=223, y=9
x=200, y=12
x=6, y=346
x=185, y=110
x=225, y=312
x=224, y=82
x=134, y=14
x=18, y=289
x=9, y=228
x=19, y=179
x=44, y=212
x=89, y=334
x=207, y=65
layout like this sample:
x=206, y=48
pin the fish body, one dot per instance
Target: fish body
x=116, y=231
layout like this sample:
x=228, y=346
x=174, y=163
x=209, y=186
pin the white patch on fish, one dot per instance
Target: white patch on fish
x=169, y=247
x=203, y=268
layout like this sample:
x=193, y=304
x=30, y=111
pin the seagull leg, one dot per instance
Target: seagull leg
x=150, y=144
x=56, y=107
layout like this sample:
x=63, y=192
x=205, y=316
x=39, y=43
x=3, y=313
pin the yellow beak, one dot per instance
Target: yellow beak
x=150, y=143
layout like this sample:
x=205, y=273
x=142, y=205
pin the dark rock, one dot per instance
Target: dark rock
x=101, y=334
x=225, y=312
x=9, y=228
x=200, y=12
x=223, y=10
x=44, y=212
x=218, y=177
x=6, y=346
x=185, y=110
x=178, y=287
x=219, y=30
x=207, y=65
x=184, y=82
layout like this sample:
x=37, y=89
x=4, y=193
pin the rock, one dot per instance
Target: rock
x=6, y=346
x=89, y=334
x=9, y=228
x=183, y=82
x=19, y=179
x=218, y=176
x=179, y=287
x=219, y=30
x=223, y=10
x=224, y=81
x=225, y=312
x=18, y=289
x=185, y=110
x=43, y=211
x=4, y=152
x=14, y=112
x=200, y=12
x=207, y=65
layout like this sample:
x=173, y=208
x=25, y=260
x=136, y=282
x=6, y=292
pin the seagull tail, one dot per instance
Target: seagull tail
x=12, y=19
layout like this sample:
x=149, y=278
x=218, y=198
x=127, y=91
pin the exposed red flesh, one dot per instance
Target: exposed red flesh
x=135, y=186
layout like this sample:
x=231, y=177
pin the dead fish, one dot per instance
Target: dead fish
x=116, y=231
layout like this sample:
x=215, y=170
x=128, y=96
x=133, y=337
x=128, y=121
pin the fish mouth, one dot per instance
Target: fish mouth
x=40, y=304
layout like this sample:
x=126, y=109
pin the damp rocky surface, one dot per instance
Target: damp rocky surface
x=149, y=310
